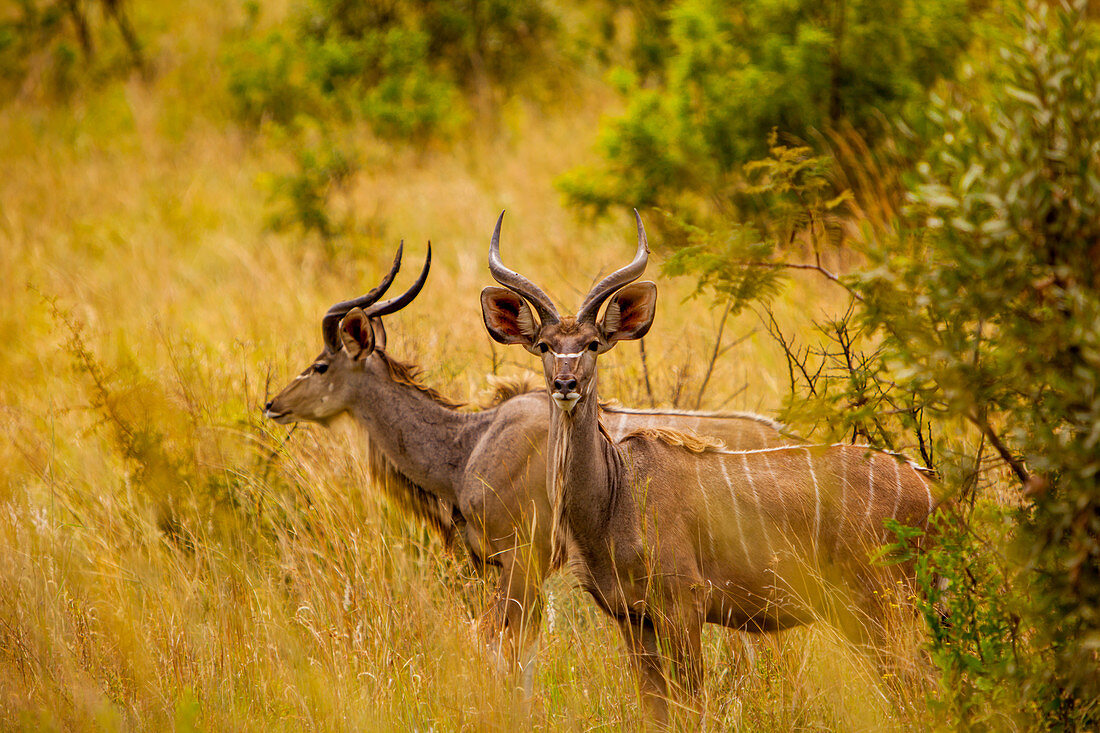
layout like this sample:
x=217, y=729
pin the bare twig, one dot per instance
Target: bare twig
x=1013, y=462
x=645, y=373
x=714, y=353
x=733, y=395
x=817, y=267
x=493, y=356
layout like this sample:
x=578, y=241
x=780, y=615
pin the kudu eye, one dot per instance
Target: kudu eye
x=320, y=367
x=594, y=346
x=543, y=347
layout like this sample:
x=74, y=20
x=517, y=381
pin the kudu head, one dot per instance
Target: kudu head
x=569, y=345
x=352, y=331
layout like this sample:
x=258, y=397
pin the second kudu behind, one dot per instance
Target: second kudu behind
x=478, y=475
x=668, y=534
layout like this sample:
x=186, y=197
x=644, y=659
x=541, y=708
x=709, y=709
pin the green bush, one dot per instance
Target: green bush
x=972, y=337
x=993, y=312
x=405, y=68
x=51, y=48
x=731, y=72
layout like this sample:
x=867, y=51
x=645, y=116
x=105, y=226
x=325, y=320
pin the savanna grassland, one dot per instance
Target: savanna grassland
x=169, y=559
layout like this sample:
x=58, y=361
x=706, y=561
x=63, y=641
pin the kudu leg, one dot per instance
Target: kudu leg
x=685, y=651
x=512, y=623
x=681, y=633
x=645, y=663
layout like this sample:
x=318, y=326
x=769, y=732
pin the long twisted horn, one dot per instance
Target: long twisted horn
x=617, y=279
x=332, y=318
x=395, y=304
x=518, y=283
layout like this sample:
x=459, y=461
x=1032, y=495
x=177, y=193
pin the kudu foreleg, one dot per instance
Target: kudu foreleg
x=512, y=623
x=646, y=664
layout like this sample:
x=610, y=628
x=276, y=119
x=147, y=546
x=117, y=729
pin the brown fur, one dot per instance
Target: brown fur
x=476, y=476
x=412, y=499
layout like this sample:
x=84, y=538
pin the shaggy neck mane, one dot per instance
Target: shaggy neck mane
x=409, y=375
x=678, y=438
x=437, y=513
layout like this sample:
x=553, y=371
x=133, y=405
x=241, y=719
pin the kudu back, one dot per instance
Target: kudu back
x=476, y=476
x=667, y=534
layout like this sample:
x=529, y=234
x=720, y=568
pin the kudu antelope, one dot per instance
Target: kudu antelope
x=668, y=534
x=479, y=475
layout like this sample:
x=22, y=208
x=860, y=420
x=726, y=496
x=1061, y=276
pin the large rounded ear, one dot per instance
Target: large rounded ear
x=356, y=334
x=379, y=334
x=629, y=313
x=508, y=317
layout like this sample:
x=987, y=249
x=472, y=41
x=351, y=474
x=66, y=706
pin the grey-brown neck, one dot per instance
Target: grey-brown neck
x=585, y=473
x=427, y=441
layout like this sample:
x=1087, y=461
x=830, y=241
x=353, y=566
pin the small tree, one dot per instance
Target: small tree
x=994, y=313
x=733, y=71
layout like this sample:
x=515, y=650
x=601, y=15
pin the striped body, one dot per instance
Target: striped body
x=768, y=529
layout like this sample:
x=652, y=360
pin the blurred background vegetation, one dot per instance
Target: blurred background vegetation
x=877, y=221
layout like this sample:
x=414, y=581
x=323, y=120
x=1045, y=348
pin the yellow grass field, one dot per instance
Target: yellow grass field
x=169, y=559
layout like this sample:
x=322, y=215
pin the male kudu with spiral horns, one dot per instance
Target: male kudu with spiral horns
x=667, y=534
x=479, y=475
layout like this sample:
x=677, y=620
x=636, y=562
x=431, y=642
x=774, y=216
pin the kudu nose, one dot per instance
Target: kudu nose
x=268, y=406
x=565, y=385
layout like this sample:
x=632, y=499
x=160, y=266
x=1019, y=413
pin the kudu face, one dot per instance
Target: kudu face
x=324, y=389
x=352, y=332
x=569, y=345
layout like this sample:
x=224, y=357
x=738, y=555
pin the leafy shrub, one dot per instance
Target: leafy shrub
x=402, y=67
x=1004, y=333
x=302, y=198
x=973, y=335
x=43, y=43
x=734, y=71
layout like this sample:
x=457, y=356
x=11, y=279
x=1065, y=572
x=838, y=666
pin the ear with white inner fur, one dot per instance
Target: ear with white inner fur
x=356, y=334
x=508, y=317
x=629, y=313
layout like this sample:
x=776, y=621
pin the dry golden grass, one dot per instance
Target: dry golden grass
x=168, y=559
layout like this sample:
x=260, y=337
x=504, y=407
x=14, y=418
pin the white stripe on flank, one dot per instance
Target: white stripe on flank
x=736, y=510
x=817, y=496
x=928, y=488
x=843, y=494
x=706, y=504
x=699, y=413
x=801, y=446
x=870, y=489
x=759, y=506
x=775, y=483
x=897, y=499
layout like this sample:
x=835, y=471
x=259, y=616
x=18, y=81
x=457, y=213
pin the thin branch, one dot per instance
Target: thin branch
x=799, y=266
x=714, y=354
x=1013, y=462
x=733, y=395
x=737, y=342
x=645, y=373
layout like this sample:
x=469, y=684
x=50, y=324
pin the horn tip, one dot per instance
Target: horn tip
x=643, y=240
